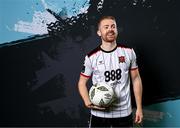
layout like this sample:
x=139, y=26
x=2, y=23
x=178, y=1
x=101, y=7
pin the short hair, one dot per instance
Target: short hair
x=105, y=17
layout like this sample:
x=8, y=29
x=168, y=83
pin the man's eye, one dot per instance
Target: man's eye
x=113, y=26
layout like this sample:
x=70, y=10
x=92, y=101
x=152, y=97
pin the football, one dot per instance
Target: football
x=101, y=94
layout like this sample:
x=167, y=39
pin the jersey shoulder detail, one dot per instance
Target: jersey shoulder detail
x=94, y=51
x=123, y=46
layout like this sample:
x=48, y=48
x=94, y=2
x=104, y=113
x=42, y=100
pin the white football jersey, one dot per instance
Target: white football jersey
x=113, y=68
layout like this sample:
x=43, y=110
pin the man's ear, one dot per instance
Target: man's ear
x=99, y=33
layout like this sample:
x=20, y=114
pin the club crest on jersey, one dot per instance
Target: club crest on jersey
x=122, y=59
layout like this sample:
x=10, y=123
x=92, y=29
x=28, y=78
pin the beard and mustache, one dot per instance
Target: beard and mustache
x=110, y=36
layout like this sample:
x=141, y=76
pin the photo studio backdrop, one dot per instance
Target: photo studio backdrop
x=42, y=49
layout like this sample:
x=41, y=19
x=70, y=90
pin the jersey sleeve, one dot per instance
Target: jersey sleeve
x=87, y=68
x=133, y=61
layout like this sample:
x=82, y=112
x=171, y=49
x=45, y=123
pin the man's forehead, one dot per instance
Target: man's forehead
x=108, y=22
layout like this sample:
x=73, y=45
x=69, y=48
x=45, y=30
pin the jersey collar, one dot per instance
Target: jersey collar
x=107, y=51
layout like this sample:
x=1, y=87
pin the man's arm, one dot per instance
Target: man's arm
x=84, y=91
x=82, y=86
x=137, y=88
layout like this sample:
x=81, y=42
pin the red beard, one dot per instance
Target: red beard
x=110, y=36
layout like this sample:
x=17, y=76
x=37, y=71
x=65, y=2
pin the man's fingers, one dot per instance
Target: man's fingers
x=138, y=119
x=97, y=107
x=92, y=106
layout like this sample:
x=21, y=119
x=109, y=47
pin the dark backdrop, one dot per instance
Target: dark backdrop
x=39, y=75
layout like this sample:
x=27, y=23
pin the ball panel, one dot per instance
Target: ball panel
x=101, y=94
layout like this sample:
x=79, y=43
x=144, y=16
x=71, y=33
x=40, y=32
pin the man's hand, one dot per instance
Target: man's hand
x=138, y=116
x=92, y=106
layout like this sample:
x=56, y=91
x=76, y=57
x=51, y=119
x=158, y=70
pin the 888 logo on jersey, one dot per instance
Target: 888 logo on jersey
x=112, y=75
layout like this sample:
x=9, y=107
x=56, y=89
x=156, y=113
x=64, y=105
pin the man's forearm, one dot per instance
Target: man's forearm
x=137, y=87
x=84, y=92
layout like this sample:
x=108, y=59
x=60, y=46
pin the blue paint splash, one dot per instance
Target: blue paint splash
x=30, y=18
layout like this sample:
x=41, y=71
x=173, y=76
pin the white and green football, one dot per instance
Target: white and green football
x=101, y=94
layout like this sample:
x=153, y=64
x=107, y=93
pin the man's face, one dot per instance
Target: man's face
x=108, y=30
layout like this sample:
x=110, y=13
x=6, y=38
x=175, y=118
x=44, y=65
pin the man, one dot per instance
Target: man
x=115, y=65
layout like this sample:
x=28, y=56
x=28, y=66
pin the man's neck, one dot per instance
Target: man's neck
x=108, y=46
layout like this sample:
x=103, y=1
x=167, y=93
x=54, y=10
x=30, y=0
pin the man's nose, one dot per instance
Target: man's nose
x=110, y=29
